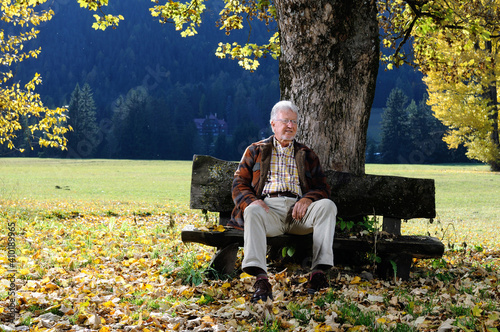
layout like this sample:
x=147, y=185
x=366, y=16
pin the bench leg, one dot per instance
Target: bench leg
x=223, y=262
x=386, y=268
x=392, y=225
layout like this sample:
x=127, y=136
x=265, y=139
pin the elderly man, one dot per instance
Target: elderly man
x=279, y=187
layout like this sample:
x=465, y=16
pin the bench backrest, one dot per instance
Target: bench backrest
x=388, y=196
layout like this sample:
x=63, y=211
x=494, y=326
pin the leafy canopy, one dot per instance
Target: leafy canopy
x=21, y=108
x=425, y=21
x=464, y=106
x=455, y=45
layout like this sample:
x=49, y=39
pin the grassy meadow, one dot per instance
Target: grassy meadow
x=467, y=196
x=102, y=180
x=98, y=248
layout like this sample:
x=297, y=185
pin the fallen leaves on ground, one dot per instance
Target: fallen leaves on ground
x=129, y=271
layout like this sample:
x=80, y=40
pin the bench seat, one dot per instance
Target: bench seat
x=394, y=198
x=406, y=247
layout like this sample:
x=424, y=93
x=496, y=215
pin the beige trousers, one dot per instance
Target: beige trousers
x=259, y=224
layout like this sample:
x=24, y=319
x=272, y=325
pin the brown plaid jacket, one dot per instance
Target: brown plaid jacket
x=253, y=169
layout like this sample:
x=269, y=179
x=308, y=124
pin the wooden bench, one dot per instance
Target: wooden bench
x=394, y=198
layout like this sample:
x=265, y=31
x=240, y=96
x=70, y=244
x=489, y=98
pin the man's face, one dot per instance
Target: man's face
x=285, y=131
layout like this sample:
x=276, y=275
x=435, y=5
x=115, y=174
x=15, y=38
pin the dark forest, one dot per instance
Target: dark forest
x=152, y=94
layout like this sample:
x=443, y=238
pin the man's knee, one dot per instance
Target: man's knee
x=252, y=210
x=253, y=213
x=327, y=205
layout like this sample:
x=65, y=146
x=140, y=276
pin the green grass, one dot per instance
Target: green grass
x=467, y=196
x=127, y=182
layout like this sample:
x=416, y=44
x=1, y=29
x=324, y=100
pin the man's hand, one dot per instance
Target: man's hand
x=300, y=208
x=261, y=203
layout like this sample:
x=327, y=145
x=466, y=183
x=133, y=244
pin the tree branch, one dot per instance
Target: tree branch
x=406, y=36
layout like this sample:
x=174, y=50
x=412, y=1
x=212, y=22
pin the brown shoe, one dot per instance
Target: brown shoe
x=316, y=282
x=263, y=290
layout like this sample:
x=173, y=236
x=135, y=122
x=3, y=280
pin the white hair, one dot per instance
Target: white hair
x=281, y=106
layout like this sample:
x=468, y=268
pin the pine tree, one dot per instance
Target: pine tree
x=426, y=134
x=131, y=137
x=395, y=142
x=84, y=140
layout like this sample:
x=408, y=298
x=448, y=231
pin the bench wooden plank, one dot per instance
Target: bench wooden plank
x=400, y=250
x=388, y=196
x=416, y=246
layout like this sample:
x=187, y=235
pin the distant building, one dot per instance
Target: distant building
x=211, y=126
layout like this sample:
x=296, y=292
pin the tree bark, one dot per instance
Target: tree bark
x=492, y=97
x=328, y=68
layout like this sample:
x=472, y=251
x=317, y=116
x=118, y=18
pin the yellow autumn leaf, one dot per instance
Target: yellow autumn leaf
x=24, y=271
x=240, y=300
x=245, y=275
x=108, y=304
x=322, y=327
x=60, y=259
x=226, y=285
x=51, y=287
x=355, y=280
x=219, y=228
x=22, y=259
x=30, y=285
x=104, y=329
x=476, y=311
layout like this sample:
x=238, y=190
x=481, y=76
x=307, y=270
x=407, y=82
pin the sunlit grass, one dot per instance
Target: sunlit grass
x=97, y=179
x=110, y=185
x=467, y=196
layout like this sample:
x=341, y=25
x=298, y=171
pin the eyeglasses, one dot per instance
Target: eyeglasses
x=286, y=121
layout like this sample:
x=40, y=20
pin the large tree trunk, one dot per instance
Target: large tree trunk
x=491, y=95
x=328, y=67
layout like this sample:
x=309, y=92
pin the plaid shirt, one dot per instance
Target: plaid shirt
x=283, y=174
x=253, y=171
